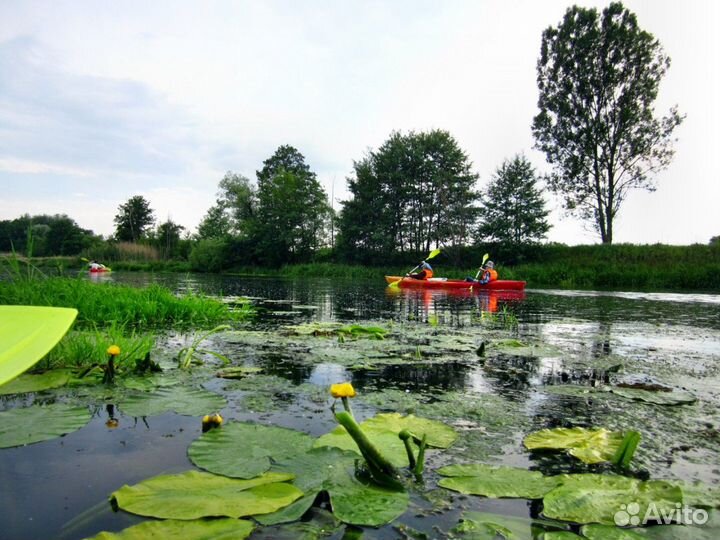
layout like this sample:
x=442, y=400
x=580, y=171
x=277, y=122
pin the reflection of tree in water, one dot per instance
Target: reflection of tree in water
x=415, y=377
x=508, y=374
x=285, y=365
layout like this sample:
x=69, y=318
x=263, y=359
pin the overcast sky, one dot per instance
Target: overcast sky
x=100, y=101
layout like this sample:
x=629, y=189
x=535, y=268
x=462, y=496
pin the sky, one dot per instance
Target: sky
x=101, y=101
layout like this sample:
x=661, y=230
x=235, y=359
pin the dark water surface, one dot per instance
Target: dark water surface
x=59, y=488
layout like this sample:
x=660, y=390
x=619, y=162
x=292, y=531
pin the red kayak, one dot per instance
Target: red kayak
x=99, y=270
x=445, y=283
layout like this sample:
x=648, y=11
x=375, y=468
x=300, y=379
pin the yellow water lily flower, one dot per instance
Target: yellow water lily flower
x=210, y=421
x=113, y=350
x=342, y=390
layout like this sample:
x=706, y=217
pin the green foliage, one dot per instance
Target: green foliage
x=292, y=209
x=598, y=78
x=414, y=190
x=134, y=218
x=513, y=209
x=167, y=239
x=109, y=303
x=209, y=255
x=192, y=354
x=82, y=348
x=44, y=235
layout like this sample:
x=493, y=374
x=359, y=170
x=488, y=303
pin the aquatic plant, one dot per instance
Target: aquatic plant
x=107, y=303
x=193, y=353
x=109, y=376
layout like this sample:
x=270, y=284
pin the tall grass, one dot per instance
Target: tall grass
x=108, y=303
x=82, y=348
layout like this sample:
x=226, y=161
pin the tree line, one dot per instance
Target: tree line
x=598, y=76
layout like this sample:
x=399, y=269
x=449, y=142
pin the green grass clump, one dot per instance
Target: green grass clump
x=83, y=348
x=104, y=304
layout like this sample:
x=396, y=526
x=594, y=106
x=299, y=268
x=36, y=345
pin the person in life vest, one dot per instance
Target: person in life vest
x=488, y=274
x=426, y=271
x=96, y=266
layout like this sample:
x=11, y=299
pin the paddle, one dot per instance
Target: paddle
x=484, y=260
x=434, y=253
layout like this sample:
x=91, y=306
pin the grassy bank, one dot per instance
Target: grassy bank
x=109, y=303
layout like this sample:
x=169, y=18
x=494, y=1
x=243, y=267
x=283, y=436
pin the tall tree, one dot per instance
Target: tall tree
x=167, y=238
x=513, y=209
x=416, y=190
x=134, y=219
x=598, y=78
x=292, y=213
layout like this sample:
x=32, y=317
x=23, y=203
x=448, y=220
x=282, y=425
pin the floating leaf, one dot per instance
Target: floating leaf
x=364, y=503
x=27, y=333
x=40, y=423
x=244, y=450
x=237, y=372
x=312, y=472
x=676, y=397
x=199, y=529
x=194, y=494
x=181, y=400
x=588, y=445
x=608, y=532
x=36, y=383
x=487, y=526
x=595, y=498
x=383, y=429
x=439, y=435
x=497, y=481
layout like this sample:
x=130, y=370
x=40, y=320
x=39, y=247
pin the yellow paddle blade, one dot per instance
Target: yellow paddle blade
x=485, y=258
x=434, y=253
x=27, y=333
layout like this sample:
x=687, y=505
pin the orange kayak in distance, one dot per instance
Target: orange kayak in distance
x=445, y=283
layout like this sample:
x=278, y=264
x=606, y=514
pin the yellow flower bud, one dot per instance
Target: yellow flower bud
x=113, y=350
x=210, y=421
x=342, y=390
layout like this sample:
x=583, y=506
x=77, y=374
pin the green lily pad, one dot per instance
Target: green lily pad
x=194, y=494
x=243, y=450
x=36, y=383
x=199, y=529
x=487, y=526
x=383, y=429
x=595, y=445
x=439, y=435
x=595, y=498
x=237, y=372
x=518, y=348
x=497, y=481
x=40, y=423
x=676, y=397
x=181, y=400
x=27, y=333
x=364, y=503
x=608, y=532
x=312, y=471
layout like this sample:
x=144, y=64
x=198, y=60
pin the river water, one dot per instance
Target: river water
x=569, y=345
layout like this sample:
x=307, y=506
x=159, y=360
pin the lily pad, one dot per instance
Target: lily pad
x=244, y=450
x=487, y=526
x=595, y=445
x=194, y=494
x=40, y=423
x=199, y=529
x=595, y=498
x=439, y=435
x=607, y=532
x=237, y=372
x=364, y=503
x=497, y=481
x=181, y=400
x=27, y=333
x=36, y=383
x=676, y=397
x=383, y=430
